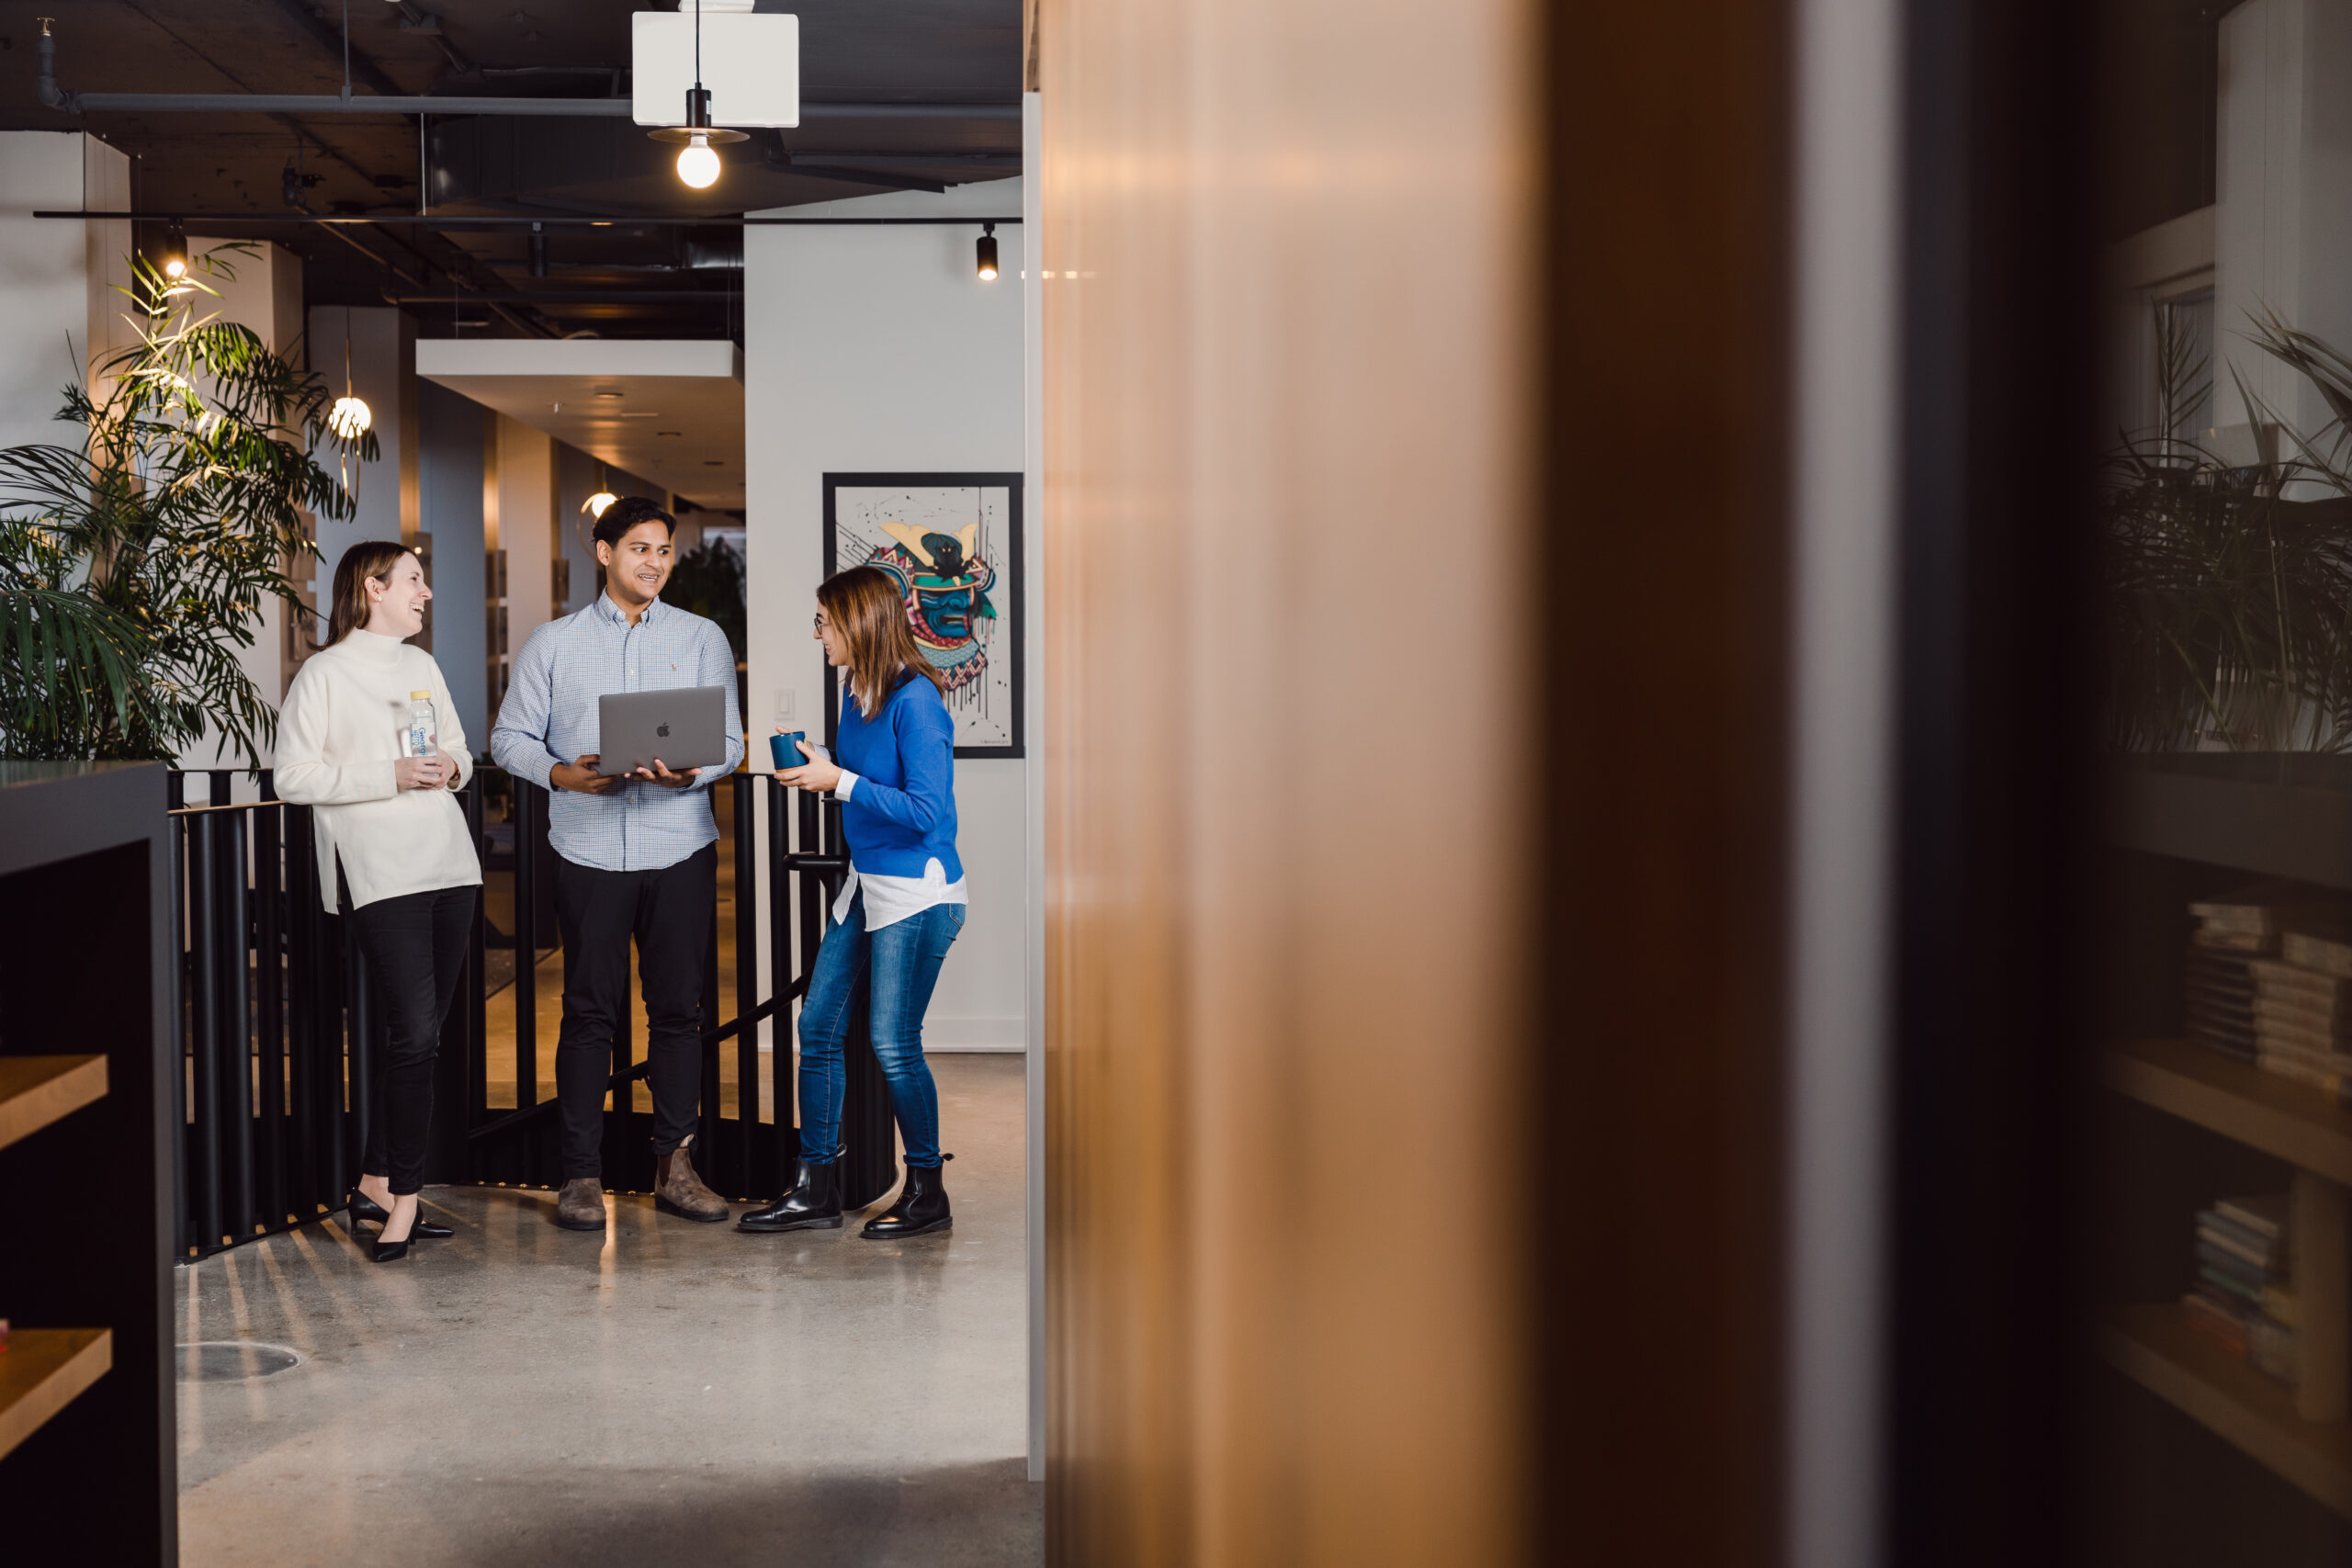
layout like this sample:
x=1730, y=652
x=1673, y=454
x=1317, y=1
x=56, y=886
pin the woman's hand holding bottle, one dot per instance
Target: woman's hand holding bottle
x=430, y=771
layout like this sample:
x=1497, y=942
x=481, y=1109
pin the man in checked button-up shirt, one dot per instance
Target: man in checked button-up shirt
x=636, y=855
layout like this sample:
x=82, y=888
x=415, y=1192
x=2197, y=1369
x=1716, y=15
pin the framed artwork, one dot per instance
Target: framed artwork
x=953, y=543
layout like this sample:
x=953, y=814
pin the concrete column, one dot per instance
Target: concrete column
x=2283, y=224
x=265, y=294
x=451, y=487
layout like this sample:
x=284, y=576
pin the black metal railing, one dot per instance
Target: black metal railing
x=281, y=1032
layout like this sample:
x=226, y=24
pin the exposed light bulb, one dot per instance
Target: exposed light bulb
x=697, y=164
x=349, y=418
x=594, y=505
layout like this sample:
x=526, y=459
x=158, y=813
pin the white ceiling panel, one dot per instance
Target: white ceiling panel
x=668, y=410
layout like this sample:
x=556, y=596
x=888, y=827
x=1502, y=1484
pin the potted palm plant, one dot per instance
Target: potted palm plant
x=2229, y=585
x=134, y=560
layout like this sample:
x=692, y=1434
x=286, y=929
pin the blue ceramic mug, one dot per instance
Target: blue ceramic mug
x=786, y=751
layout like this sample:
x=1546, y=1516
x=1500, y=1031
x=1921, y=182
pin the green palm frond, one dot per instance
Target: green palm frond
x=133, y=565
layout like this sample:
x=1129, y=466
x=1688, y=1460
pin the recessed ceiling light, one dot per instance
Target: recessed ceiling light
x=641, y=414
x=668, y=432
x=609, y=394
x=714, y=462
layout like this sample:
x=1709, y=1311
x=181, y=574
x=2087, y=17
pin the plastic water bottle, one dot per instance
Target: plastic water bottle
x=423, y=737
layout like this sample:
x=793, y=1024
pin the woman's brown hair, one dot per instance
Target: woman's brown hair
x=368, y=558
x=865, y=601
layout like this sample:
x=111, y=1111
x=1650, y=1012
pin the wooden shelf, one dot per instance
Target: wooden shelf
x=41, y=1373
x=2237, y=1100
x=2270, y=813
x=2156, y=1347
x=37, y=1091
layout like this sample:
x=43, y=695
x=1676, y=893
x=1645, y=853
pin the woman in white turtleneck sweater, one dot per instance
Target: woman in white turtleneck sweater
x=407, y=859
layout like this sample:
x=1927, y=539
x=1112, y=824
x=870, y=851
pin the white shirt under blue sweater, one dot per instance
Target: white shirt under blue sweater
x=550, y=717
x=897, y=787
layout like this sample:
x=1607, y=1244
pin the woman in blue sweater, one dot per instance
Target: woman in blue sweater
x=897, y=915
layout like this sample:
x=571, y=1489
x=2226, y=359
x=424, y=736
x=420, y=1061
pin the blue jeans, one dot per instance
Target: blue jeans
x=898, y=965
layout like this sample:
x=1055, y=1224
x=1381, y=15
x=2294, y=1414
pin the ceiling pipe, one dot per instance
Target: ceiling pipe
x=328, y=103
x=593, y=221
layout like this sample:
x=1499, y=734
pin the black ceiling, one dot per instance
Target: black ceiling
x=625, y=280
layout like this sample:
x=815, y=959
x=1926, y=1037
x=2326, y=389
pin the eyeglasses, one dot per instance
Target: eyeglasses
x=820, y=623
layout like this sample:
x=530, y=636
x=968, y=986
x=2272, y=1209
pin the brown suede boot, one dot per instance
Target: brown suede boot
x=580, y=1205
x=678, y=1191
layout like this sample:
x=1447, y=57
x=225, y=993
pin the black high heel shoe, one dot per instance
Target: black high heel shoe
x=382, y=1251
x=366, y=1208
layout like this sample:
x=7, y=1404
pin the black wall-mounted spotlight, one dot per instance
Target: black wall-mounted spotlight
x=988, y=253
x=538, y=251
x=173, y=259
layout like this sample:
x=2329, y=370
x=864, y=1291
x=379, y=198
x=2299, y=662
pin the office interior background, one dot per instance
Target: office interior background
x=1653, y=787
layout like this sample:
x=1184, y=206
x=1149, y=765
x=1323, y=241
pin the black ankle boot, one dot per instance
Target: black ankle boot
x=922, y=1207
x=813, y=1204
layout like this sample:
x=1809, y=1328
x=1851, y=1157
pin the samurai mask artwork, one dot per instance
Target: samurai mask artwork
x=945, y=583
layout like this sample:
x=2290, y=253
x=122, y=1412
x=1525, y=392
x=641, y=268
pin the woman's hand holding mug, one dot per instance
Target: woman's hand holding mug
x=818, y=774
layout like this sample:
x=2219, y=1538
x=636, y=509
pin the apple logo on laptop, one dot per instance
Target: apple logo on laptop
x=663, y=730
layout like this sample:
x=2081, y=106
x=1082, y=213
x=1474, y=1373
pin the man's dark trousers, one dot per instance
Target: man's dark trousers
x=670, y=913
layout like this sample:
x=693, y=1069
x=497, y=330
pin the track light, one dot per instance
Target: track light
x=173, y=257
x=537, y=251
x=988, y=253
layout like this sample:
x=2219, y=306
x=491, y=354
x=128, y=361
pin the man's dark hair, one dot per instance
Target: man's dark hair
x=627, y=513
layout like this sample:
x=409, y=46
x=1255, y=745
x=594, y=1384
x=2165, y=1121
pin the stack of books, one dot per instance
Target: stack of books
x=2302, y=1014
x=2242, y=1299
x=2269, y=980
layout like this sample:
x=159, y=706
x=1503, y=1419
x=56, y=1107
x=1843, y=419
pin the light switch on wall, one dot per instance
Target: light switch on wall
x=787, y=705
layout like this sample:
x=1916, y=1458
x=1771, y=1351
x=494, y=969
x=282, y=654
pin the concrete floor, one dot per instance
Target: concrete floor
x=521, y=1396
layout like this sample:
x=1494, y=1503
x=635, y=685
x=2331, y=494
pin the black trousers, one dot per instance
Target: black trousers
x=670, y=912
x=415, y=946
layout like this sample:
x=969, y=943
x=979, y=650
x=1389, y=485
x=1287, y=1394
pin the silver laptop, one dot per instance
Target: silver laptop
x=686, y=726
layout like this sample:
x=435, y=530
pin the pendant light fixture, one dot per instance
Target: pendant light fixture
x=350, y=417
x=988, y=253
x=594, y=505
x=173, y=259
x=697, y=164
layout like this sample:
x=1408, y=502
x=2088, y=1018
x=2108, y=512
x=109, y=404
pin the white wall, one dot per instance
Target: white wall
x=877, y=349
x=55, y=274
x=2283, y=223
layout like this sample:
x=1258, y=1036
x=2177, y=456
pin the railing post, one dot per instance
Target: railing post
x=184, y=1187
x=529, y=812
x=746, y=974
x=476, y=1003
x=237, y=1023
x=270, y=975
x=204, y=968
x=305, y=952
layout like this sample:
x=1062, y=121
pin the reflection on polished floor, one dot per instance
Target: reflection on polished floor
x=678, y=1394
